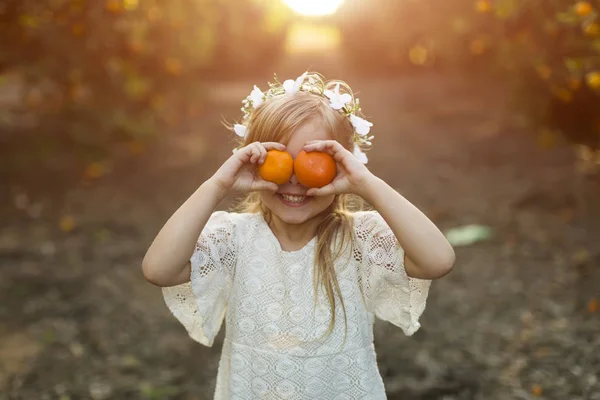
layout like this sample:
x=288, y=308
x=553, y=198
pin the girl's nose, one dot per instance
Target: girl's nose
x=293, y=179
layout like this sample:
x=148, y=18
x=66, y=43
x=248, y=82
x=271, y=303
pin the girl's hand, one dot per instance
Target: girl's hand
x=239, y=172
x=351, y=173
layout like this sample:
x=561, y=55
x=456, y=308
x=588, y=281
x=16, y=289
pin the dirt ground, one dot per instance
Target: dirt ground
x=516, y=319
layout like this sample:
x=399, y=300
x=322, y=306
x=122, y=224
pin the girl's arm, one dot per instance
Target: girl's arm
x=428, y=255
x=167, y=260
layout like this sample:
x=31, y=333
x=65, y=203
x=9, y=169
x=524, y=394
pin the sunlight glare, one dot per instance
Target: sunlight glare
x=314, y=7
x=311, y=38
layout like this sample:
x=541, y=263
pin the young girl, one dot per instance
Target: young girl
x=297, y=277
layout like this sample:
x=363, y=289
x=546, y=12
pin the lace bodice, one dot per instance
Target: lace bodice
x=275, y=347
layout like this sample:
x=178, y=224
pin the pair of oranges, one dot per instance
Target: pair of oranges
x=313, y=170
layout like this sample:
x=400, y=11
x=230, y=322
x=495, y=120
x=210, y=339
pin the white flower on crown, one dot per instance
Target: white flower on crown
x=358, y=153
x=292, y=86
x=257, y=97
x=342, y=102
x=361, y=126
x=240, y=130
x=337, y=100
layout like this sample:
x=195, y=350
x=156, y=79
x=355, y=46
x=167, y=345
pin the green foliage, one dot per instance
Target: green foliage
x=101, y=72
x=552, y=52
x=548, y=50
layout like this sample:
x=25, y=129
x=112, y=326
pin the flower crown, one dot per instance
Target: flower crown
x=345, y=103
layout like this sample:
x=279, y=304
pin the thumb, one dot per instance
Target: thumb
x=324, y=191
x=264, y=185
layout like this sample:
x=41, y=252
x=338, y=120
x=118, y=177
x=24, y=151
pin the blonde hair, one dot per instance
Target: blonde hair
x=276, y=120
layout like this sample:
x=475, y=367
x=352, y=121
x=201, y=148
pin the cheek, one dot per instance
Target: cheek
x=267, y=198
x=321, y=203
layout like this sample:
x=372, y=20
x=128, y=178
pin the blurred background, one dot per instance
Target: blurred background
x=487, y=117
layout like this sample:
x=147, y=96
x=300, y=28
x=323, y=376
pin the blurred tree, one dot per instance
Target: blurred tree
x=96, y=73
x=388, y=36
x=550, y=50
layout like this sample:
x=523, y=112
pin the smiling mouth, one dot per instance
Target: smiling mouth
x=293, y=199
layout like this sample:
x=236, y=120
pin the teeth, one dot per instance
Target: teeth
x=293, y=199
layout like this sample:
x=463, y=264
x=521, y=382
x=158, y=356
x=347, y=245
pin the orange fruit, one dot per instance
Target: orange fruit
x=583, y=8
x=278, y=167
x=314, y=169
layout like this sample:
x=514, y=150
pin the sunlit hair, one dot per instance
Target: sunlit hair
x=275, y=121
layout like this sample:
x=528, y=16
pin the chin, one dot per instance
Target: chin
x=292, y=219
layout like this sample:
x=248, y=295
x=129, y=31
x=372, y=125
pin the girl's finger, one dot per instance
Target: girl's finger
x=313, y=146
x=273, y=145
x=334, y=145
x=318, y=147
x=330, y=147
x=255, y=153
x=322, y=145
x=324, y=191
x=264, y=185
x=245, y=153
x=263, y=154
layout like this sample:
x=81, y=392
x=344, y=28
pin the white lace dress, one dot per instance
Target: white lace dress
x=274, y=346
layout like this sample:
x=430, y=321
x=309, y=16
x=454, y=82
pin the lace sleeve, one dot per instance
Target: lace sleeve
x=201, y=303
x=389, y=292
